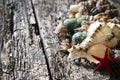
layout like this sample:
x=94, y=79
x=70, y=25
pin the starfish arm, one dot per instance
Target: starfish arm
x=108, y=68
x=98, y=67
x=98, y=58
x=106, y=54
x=114, y=60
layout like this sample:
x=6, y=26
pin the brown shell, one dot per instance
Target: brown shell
x=101, y=17
x=65, y=45
x=96, y=50
x=70, y=15
x=61, y=30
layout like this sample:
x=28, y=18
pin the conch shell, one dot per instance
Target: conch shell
x=100, y=32
x=98, y=50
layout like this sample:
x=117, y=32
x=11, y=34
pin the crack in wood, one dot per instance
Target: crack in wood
x=42, y=44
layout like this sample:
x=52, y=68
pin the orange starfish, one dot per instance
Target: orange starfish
x=105, y=61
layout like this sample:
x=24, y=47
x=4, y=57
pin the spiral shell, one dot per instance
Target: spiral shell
x=99, y=32
x=98, y=50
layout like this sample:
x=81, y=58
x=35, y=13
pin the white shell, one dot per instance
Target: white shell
x=78, y=15
x=99, y=36
x=96, y=50
x=74, y=8
x=99, y=32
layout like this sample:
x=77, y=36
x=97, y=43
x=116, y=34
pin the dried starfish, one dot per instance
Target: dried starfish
x=105, y=61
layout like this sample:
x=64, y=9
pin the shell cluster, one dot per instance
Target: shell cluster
x=90, y=26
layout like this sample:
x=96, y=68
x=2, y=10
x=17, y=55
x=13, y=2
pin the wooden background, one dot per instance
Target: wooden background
x=29, y=48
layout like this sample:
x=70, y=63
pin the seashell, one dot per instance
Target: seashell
x=80, y=20
x=97, y=50
x=70, y=23
x=70, y=15
x=84, y=26
x=82, y=10
x=101, y=2
x=91, y=3
x=95, y=11
x=101, y=16
x=65, y=45
x=78, y=15
x=78, y=37
x=61, y=30
x=74, y=8
x=99, y=32
x=115, y=28
x=76, y=53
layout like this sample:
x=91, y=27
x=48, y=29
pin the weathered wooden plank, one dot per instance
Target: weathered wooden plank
x=6, y=59
x=29, y=49
x=21, y=54
x=47, y=14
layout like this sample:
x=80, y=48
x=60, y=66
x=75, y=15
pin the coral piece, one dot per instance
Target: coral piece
x=105, y=61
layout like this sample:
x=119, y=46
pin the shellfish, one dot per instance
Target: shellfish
x=98, y=33
x=65, y=45
x=97, y=50
x=96, y=19
x=78, y=37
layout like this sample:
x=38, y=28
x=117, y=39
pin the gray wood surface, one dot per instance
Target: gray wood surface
x=29, y=48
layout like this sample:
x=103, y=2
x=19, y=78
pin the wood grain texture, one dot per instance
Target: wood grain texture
x=29, y=48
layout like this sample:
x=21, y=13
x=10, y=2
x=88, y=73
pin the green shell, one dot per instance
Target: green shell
x=73, y=23
x=78, y=37
x=70, y=23
x=80, y=20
